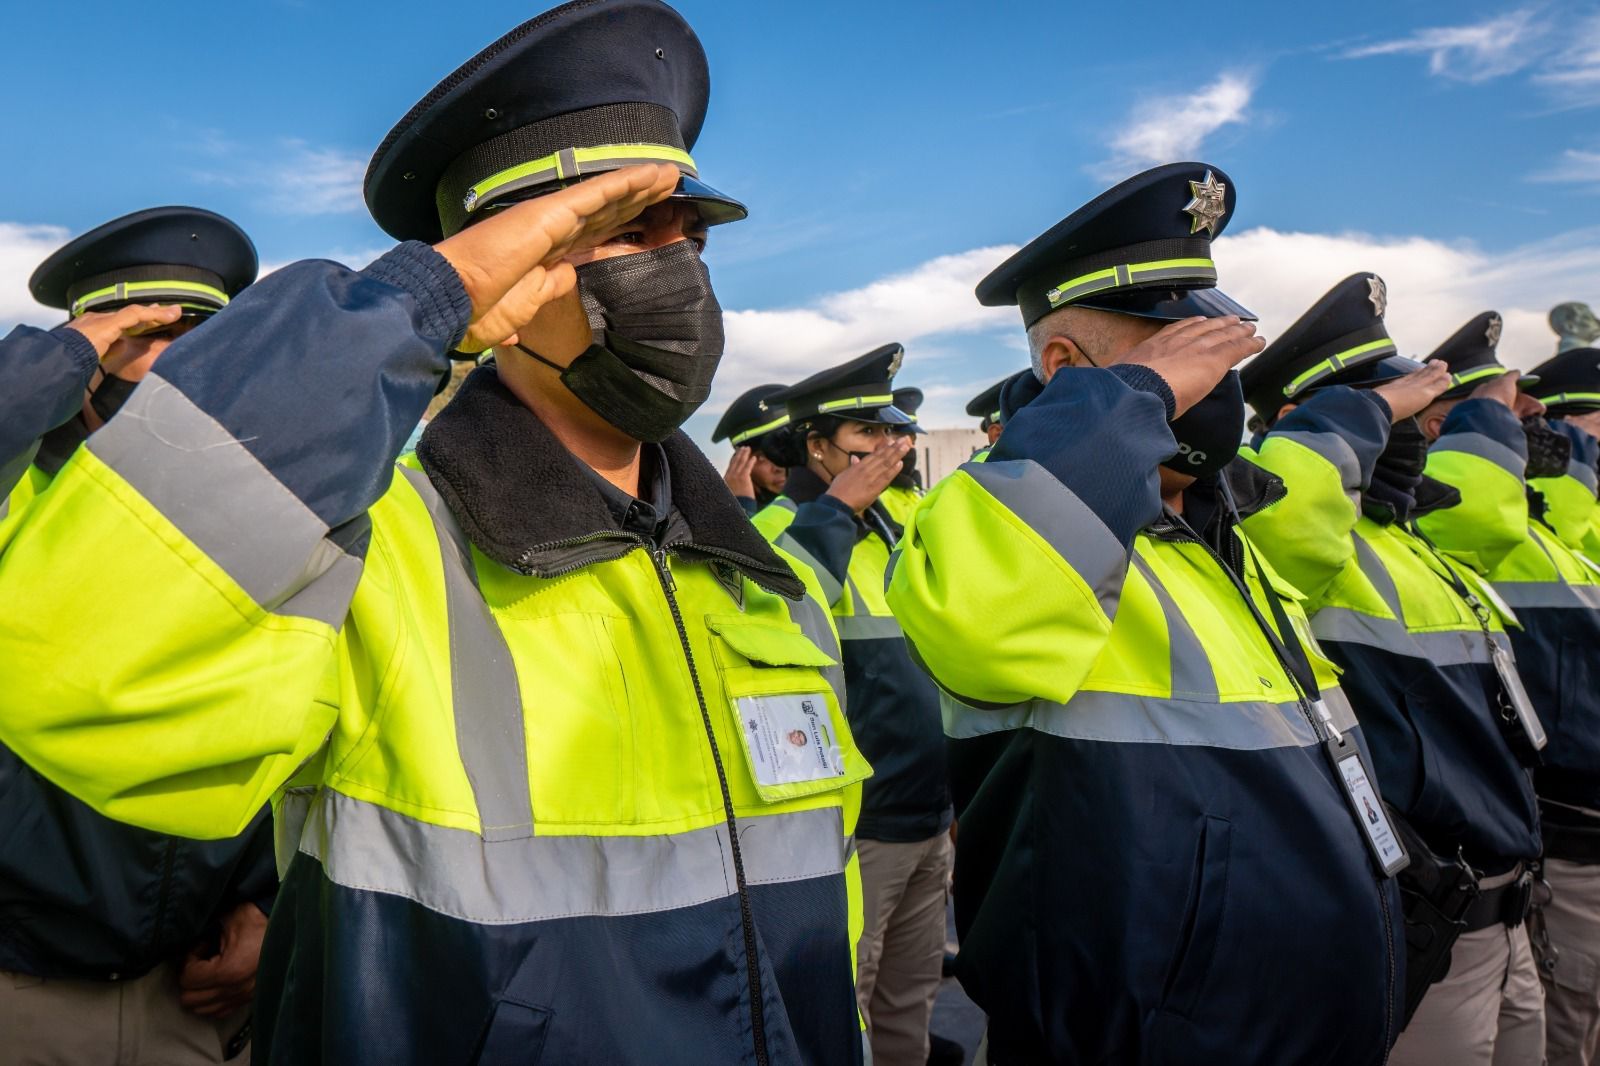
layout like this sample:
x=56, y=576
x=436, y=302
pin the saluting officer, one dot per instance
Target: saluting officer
x=847, y=440
x=577, y=783
x=1422, y=647
x=985, y=407
x=906, y=488
x=1171, y=850
x=1569, y=387
x=119, y=944
x=755, y=475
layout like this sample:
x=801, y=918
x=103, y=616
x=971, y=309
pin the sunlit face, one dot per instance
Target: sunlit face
x=833, y=453
x=656, y=226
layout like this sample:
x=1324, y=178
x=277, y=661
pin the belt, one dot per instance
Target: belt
x=1570, y=833
x=1504, y=904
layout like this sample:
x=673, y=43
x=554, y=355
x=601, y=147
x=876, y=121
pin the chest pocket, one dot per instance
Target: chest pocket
x=794, y=740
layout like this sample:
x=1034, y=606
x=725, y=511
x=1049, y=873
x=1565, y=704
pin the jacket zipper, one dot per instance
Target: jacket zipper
x=669, y=588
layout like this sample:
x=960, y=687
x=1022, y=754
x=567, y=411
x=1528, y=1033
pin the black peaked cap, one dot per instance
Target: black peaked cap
x=1470, y=354
x=182, y=255
x=986, y=405
x=861, y=389
x=751, y=415
x=1328, y=345
x=1569, y=382
x=908, y=400
x=1140, y=248
x=589, y=86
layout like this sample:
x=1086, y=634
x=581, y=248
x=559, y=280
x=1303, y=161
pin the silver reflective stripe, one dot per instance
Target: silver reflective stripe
x=1124, y=718
x=1192, y=676
x=1548, y=594
x=1065, y=522
x=1484, y=448
x=1443, y=648
x=813, y=622
x=12, y=472
x=188, y=467
x=1585, y=474
x=538, y=878
x=1330, y=446
x=832, y=588
x=1378, y=574
x=486, y=699
x=868, y=627
x=1339, y=709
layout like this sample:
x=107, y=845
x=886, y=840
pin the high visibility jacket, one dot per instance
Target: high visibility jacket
x=526, y=824
x=82, y=896
x=1417, y=659
x=1554, y=592
x=1570, y=507
x=1156, y=863
x=894, y=708
x=900, y=503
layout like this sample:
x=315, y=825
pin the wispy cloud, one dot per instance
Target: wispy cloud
x=292, y=177
x=22, y=249
x=1572, y=74
x=1575, y=167
x=1474, y=52
x=1169, y=128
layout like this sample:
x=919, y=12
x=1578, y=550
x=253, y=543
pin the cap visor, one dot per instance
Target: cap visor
x=716, y=208
x=1168, y=305
x=888, y=416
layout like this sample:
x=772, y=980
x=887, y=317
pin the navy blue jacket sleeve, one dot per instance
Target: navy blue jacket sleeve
x=826, y=529
x=42, y=378
x=1102, y=433
x=1341, y=424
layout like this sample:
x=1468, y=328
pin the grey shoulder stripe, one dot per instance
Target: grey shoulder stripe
x=1066, y=523
x=1584, y=474
x=1378, y=574
x=1483, y=447
x=832, y=587
x=1551, y=594
x=1451, y=647
x=486, y=696
x=1192, y=676
x=192, y=470
x=1332, y=447
x=366, y=847
x=1124, y=718
x=813, y=622
x=868, y=627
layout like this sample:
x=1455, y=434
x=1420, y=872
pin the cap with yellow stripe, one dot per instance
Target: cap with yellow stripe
x=165, y=255
x=1569, y=383
x=861, y=390
x=1141, y=248
x=753, y=415
x=1340, y=340
x=1471, y=355
x=588, y=87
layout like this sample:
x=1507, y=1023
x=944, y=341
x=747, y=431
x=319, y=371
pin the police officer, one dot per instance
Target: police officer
x=900, y=499
x=750, y=424
x=846, y=446
x=572, y=772
x=1569, y=387
x=985, y=407
x=119, y=944
x=1158, y=860
x=1418, y=640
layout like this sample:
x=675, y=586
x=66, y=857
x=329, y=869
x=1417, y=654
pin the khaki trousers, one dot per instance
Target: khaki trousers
x=1489, y=1010
x=58, y=1022
x=1572, y=991
x=903, y=890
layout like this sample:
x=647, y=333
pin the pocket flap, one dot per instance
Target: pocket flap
x=762, y=642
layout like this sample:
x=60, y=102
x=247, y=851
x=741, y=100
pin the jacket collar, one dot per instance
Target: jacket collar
x=525, y=502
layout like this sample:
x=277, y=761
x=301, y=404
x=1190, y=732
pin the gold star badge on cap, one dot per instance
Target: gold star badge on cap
x=1492, y=334
x=1378, y=294
x=1207, y=208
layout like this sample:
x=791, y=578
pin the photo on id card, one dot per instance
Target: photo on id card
x=790, y=738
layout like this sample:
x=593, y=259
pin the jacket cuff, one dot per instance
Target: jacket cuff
x=1138, y=376
x=443, y=307
x=79, y=348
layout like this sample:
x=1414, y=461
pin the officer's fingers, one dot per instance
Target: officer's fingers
x=616, y=197
x=138, y=318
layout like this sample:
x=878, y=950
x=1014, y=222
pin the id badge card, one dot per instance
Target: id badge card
x=1382, y=841
x=790, y=738
x=1511, y=683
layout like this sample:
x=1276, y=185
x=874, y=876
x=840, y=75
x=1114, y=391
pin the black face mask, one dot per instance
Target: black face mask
x=1209, y=433
x=907, y=477
x=1395, y=477
x=1549, y=451
x=658, y=339
x=112, y=392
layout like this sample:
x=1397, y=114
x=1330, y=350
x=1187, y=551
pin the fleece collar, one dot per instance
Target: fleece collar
x=528, y=504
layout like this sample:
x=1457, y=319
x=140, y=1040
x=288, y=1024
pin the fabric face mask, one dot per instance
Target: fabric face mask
x=1209, y=433
x=658, y=339
x=109, y=396
x=1549, y=451
x=1397, y=473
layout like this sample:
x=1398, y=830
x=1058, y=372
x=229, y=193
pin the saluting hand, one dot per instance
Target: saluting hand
x=1411, y=393
x=1192, y=355
x=738, y=474
x=1503, y=389
x=510, y=263
x=102, y=329
x=859, y=485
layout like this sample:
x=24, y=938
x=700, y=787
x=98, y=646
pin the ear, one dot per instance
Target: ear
x=1433, y=424
x=1059, y=352
x=1285, y=409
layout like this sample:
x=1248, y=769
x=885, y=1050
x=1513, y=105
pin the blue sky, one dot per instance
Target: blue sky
x=890, y=152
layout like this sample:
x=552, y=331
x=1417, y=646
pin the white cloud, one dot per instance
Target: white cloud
x=293, y=177
x=1572, y=74
x=22, y=249
x=1473, y=53
x=1170, y=128
x=1576, y=167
